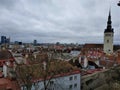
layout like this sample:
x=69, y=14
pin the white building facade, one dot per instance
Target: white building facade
x=71, y=81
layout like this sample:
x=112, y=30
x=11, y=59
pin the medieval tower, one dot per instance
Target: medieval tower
x=108, y=36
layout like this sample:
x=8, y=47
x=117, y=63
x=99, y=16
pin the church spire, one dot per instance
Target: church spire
x=109, y=19
x=109, y=23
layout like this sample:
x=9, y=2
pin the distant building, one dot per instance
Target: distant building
x=8, y=40
x=18, y=43
x=35, y=42
x=5, y=40
x=108, y=36
x=92, y=46
x=75, y=53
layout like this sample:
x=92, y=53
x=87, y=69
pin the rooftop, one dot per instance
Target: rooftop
x=5, y=54
x=6, y=84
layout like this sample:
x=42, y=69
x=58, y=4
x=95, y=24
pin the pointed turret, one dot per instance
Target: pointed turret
x=109, y=24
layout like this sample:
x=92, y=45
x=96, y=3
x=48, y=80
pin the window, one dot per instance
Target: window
x=51, y=83
x=107, y=41
x=70, y=78
x=109, y=50
x=75, y=77
x=75, y=85
x=70, y=87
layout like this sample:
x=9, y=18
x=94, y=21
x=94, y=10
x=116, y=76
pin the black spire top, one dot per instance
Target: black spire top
x=109, y=22
x=109, y=18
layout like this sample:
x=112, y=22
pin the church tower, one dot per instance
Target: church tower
x=108, y=36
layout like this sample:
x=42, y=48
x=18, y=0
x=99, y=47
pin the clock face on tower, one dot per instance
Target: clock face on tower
x=107, y=41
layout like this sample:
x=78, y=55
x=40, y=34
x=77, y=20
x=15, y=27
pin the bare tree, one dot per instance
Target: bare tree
x=44, y=71
x=26, y=74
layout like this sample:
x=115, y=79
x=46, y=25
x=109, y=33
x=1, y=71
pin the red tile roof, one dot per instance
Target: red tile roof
x=8, y=84
x=93, y=45
x=60, y=75
x=5, y=55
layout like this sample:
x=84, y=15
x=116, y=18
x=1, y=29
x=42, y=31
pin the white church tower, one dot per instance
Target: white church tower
x=108, y=36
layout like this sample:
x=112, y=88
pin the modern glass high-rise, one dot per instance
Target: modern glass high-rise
x=3, y=39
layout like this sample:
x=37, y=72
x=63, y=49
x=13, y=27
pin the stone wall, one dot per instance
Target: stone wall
x=104, y=80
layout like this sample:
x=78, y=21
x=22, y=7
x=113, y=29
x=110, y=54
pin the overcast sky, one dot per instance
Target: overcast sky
x=65, y=21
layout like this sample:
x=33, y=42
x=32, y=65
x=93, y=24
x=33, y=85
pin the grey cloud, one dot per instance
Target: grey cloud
x=80, y=21
x=7, y=4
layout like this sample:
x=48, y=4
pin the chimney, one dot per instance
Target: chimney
x=85, y=62
x=79, y=59
x=35, y=56
x=5, y=70
x=44, y=65
x=26, y=56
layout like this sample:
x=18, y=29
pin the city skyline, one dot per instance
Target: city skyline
x=65, y=21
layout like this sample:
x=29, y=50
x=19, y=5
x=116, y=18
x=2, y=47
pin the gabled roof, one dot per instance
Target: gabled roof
x=5, y=54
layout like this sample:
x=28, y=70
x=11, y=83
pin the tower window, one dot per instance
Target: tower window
x=107, y=34
x=107, y=41
x=109, y=50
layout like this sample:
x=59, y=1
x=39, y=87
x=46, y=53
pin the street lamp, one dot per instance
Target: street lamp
x=118, y=3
